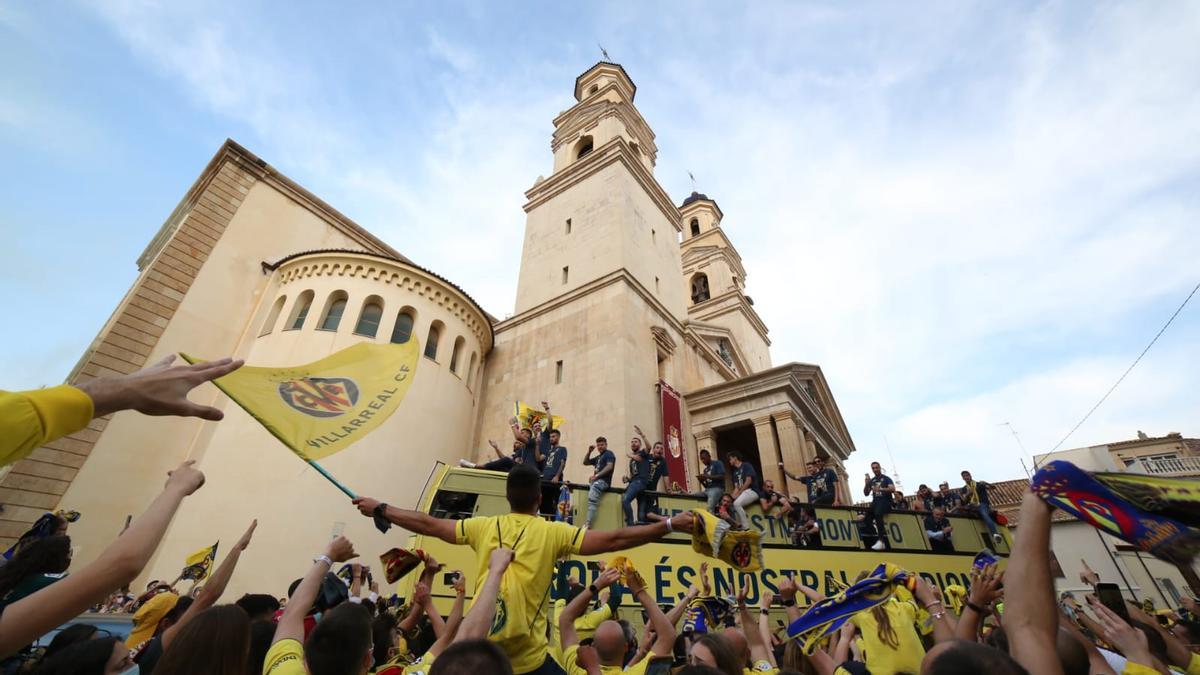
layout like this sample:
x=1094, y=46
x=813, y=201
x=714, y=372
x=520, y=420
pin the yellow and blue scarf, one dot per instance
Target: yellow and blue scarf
x=828, y=615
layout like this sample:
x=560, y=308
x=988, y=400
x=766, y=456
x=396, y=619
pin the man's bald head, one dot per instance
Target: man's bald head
x=737, y=642
x=610, y=643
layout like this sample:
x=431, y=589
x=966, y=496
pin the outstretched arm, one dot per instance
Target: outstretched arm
x=754, y=639
x=453, y=622
x=33, y=616
x=514, y=424
x=1030, y=618
x=479, y=620
x=416, y=608
x=413, y=521
x=291, y=623
x=215, y=587
x=606, y=541
x=680, y=607
x=575, y=609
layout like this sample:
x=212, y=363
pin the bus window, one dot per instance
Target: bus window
x=453, y=505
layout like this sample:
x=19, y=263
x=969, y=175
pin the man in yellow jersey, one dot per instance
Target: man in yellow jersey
x=520, y=624
x=610, y=641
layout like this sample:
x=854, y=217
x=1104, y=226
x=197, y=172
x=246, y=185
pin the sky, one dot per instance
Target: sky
x=971, y=215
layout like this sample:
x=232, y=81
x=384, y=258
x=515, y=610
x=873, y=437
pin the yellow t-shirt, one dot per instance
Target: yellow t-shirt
x=649, y=665
x=761, y=666
x=33, y=418
x=882, y=659
x=520, y=624
x=585, y=626
x=421, y=667
x=285, y=657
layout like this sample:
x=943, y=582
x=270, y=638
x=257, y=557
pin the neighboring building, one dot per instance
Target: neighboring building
x=1140, y=574
x=620, y=291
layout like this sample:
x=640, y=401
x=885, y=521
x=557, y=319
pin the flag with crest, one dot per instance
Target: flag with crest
x=527, y=415
x=713, y=537
x=323, y=407
x=199, y=564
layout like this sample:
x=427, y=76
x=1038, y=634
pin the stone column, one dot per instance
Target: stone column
x=791, y=447
x=768, y=451
x=704, y=441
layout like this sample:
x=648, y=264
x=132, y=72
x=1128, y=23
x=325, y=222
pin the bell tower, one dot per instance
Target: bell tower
x=715, y=283
x=599, y=313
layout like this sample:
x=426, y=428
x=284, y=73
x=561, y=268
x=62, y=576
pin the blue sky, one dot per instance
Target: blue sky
x=973, y=214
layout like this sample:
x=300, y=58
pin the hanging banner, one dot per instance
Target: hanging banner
x=677, y=468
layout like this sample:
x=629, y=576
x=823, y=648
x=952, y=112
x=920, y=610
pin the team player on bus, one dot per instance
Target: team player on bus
x=746, y=488
x=880, y=488
x=601, y=476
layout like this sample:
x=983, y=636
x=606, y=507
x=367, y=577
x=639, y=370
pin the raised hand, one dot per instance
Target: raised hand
x=546, y=406
x=1088, y=576
x=741, y=596
x=985, y=585
x=704, y=585
x=185, y=477
x=608, y=577
x=787, y=588
x=245, y=540
x=460, y=582
x=683, y=522
x=160, y=389
x=366, y=505
x=634, y=581
x=1131, y=641
x=421, y=594
x=767, y=598
x=499, y=559
x=340, y=550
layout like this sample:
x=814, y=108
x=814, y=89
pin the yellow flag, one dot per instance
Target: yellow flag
x=527, y=415
x=713, y=537
x=323, y=407
x=199, y=564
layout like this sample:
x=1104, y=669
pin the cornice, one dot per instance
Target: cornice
x=399, y=273
x=702, y=330
x=710, y=355
x=615, y=277
x=616, y=150
x=570, y=123
x=719, y=305
x=696, y=255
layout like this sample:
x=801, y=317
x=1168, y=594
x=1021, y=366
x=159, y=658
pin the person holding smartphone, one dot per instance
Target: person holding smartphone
x=879, y=487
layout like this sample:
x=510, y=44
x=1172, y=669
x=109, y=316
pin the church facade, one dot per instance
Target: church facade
x=621, y=292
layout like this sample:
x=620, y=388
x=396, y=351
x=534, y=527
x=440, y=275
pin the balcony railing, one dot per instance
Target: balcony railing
x=1176, y=466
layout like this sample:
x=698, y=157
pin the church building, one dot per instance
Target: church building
x=628, y=303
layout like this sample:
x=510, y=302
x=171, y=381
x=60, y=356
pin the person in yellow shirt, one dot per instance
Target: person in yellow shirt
x=520, y=627
x=610, y=641
x=30, y=419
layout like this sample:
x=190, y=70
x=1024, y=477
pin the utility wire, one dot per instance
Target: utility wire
x=1127, y=371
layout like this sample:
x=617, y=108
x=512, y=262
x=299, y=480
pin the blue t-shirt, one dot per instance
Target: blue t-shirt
x=745, y=471
x=716, y=471
x=883, y=498
x=658, y=469
x=556, y=459
x=602, y=462
x=640, y=467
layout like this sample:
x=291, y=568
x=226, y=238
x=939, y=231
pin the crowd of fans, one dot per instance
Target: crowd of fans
x=326, y=626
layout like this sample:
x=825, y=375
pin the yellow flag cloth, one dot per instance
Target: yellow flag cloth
x=956, y=595
x=527, y=415
x=322, y=408
x=714, y=538
x=199, y=564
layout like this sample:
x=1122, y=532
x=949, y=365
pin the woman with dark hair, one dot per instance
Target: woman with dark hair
x=35, y=567
x=68, y=636
x=216, y=642
x=105, y=656
x=710, y=649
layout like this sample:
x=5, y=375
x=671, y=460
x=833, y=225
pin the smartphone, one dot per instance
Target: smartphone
x=1110, y=596
x=449, y=578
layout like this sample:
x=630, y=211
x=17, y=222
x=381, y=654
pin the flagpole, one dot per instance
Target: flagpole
x=329, y=477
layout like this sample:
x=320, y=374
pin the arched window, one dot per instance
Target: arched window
x=369, y=317
x=595, y=88
x=273, y=316
x=458, y=345
x=431, y=342
x=695, y=226
x=335, y=307
x=583, y=147
x=699, y=288
x=402, y=331
x=471, y=370
x=299, y=311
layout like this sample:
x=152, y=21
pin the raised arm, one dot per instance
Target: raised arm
x=943, y=627
x=1029, y=618
x=453, y=622
x=479, y=620
x=664, y=630
x=215, y=587
x=645, y=443
x=754, y=639
x=496, y=449
x=413, y=521
x=33, y=616
x=764, y=624
x=575, y=609
x=416, y=608
x=787, y=593
x=291, y=623
x=680, y=607
x=985, y=585
x=867, y=487
x=514, y=424
x=606, y=541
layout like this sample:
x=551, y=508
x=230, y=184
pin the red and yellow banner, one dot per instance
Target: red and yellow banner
x=677, y=467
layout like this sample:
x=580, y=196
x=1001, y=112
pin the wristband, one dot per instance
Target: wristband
x=670, y=527
x=935, y=602
x=325, y=559
x=788, y=602
x=764, y=611
x=978, y=610
x=380, y=517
